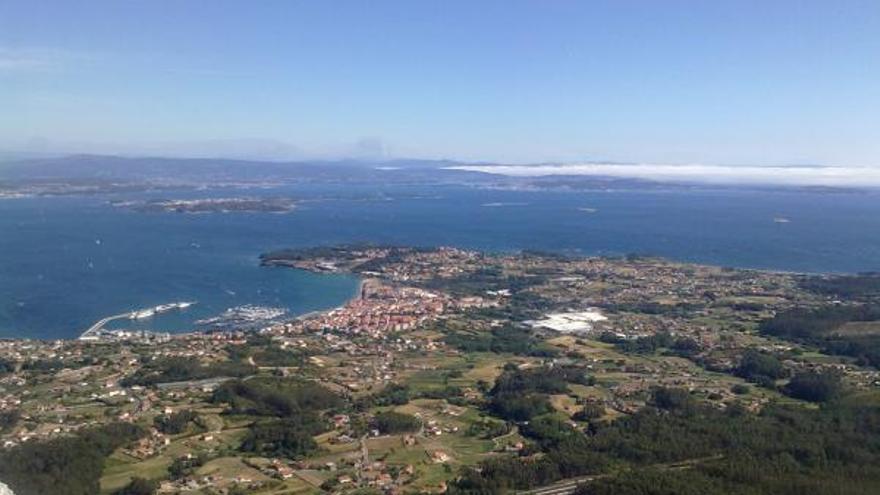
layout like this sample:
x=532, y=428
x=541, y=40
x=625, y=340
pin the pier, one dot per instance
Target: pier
x=94, y=330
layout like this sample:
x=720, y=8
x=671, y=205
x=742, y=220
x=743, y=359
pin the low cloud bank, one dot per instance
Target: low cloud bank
x=708, y=174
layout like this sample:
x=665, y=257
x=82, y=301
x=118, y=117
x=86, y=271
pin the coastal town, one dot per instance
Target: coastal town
x=398, y=247
x=400, y=378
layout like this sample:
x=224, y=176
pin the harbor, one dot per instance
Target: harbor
x=97, y=331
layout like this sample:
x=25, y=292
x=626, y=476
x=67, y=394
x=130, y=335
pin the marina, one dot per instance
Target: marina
x=245, y=316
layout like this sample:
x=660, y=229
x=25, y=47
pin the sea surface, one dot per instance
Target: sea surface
x=67, y=262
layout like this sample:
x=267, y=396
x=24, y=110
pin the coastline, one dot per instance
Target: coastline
x=358, y=295
x=97, y=327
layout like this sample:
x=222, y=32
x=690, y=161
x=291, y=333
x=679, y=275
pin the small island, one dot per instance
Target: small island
x=210, y=205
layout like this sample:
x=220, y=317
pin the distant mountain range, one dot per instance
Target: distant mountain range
x=102, y=173
x=182, y=172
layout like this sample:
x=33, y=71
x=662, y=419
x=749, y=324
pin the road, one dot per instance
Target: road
x=564, y=487
x=568, y=486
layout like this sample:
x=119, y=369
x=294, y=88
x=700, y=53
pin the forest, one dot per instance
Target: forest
x=278, y=397
x=290, y=438
x=866, y=285
x=520, y=395
x=822, y=328
x=74, y=462
x=677, y=445
x=294, y=407
x=175, y=369
x=507, y=339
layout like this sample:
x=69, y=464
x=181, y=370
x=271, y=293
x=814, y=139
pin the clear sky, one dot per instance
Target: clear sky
x=703, y=81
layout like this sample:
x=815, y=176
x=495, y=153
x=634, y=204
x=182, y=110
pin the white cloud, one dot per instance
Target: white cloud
x=709, y=174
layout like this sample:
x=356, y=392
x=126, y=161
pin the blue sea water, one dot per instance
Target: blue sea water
x=67, y=262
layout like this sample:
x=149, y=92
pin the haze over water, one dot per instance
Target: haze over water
x=67, y=262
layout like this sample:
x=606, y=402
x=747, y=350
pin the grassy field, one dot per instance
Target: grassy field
x=120, y=469
x=859, y=328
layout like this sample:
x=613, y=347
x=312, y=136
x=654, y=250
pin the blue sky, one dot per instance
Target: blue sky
x=719, y=82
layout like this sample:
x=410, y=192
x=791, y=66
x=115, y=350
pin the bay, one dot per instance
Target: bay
x=66, y=262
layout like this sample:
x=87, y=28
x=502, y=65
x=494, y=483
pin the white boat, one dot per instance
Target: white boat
x=162, y=308
x=144, y=313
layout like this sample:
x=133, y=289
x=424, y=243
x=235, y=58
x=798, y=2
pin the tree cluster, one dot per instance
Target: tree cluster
x=290, y=438
x=9, y=419
x=174, y=423
x=520, y=395
x=182, y=467
x=508, y=339
x=847, y=287
x=179, y=369
x=815, y=386
x=761, y=368
x=394, y=422
x=6, y=366
x=279, y=397
x=819, y=327
x=139, y=486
